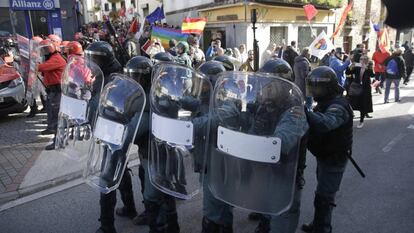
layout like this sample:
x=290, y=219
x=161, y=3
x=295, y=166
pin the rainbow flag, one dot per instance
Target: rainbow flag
x=193, y=25
x=166, y=34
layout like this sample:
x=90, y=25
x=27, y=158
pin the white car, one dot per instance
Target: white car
x=12, y=90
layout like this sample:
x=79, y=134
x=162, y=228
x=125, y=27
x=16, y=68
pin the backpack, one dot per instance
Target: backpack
x=392, y=67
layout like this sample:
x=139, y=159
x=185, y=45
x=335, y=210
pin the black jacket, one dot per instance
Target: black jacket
x=401, y=67
x=289, y=55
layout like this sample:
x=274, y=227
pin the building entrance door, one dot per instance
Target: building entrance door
x=39, y=23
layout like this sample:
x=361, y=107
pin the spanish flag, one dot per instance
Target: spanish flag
x=193, y=25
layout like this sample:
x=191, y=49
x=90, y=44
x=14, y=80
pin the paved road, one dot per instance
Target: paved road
x=381, y=203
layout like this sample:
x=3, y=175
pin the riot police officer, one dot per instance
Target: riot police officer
x=102, y=54
x=330, y=140
x=160, y=209
x=217, y=215
x=211, y=69
x=226, y=61
x=162, y=56
x=279, y=67
x=139, y=68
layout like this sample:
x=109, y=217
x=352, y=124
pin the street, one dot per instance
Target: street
x=383, y=202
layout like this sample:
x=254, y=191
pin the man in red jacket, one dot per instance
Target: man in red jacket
x=379, y=58
x=52, y=70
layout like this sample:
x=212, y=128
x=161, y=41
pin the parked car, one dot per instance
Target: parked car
x=12, y=90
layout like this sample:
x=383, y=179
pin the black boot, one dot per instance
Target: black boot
x=264, y=225
x=153, y=210
x=127, y=197
x=308, y=228
x=209, y=226
x=323, y=215
x=107, y=203
x=170, y=209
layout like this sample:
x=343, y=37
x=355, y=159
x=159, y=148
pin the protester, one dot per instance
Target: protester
x=267, y=54
x=243, y=53
x=339, y=66
x=362, y=75
x=290, y=53
x=249, y=64
x=395, y=70
x=379, y=58
x=301, y=70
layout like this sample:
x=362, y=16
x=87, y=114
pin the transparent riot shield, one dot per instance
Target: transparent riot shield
x=34, y=85
x=257, y=122
x=82, y=83
x=119, y=113
x=179, y=122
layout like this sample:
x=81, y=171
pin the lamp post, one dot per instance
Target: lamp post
x=253, y=19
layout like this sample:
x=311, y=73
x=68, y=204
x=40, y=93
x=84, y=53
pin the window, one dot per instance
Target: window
x=305, y=37
x=113, y=6
x=133, y=3
x=122, y=4
x=106, y=7
x=278, y=35
x=145, y=10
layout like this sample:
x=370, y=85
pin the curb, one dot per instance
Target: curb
x=19, y=193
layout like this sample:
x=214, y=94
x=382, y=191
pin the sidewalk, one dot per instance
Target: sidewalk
x=25, y=167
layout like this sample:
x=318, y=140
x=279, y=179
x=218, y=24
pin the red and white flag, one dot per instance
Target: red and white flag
x=310, y=11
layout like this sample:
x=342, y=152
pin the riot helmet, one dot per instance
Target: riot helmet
x=226, y=61
x=46, y=48
x=211, y=69
x=9, y=42
x=279, y=67
x=322, y=84
x=162, y=56
x=182, y=47
x=101, y=53
x=120, y=104
x=74, y=47
x=139, y=68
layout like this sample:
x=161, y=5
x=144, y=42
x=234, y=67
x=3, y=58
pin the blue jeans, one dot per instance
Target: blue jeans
x=388, y=82
x=215, y=210
x=288, y=221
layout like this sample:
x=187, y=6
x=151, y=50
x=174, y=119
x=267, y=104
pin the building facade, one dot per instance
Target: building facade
x=40, y=17
x=96, y=9
x=281, y=21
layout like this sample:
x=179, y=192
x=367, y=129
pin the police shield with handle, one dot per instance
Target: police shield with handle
x=256, y=127
x=330, y=140
x=82, y=83
x=179, y=103
x=102, y=54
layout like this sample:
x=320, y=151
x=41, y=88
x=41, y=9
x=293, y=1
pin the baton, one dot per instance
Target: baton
x=349, y=155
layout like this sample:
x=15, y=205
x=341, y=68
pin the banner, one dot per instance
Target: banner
x=156, y=15
x=310, y=11
x=193, y=25
x=343, y=19
x=321, y=46
x=166, y=34
x=383, y=41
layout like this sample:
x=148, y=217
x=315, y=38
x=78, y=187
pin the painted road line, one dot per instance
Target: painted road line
x=392, y=143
